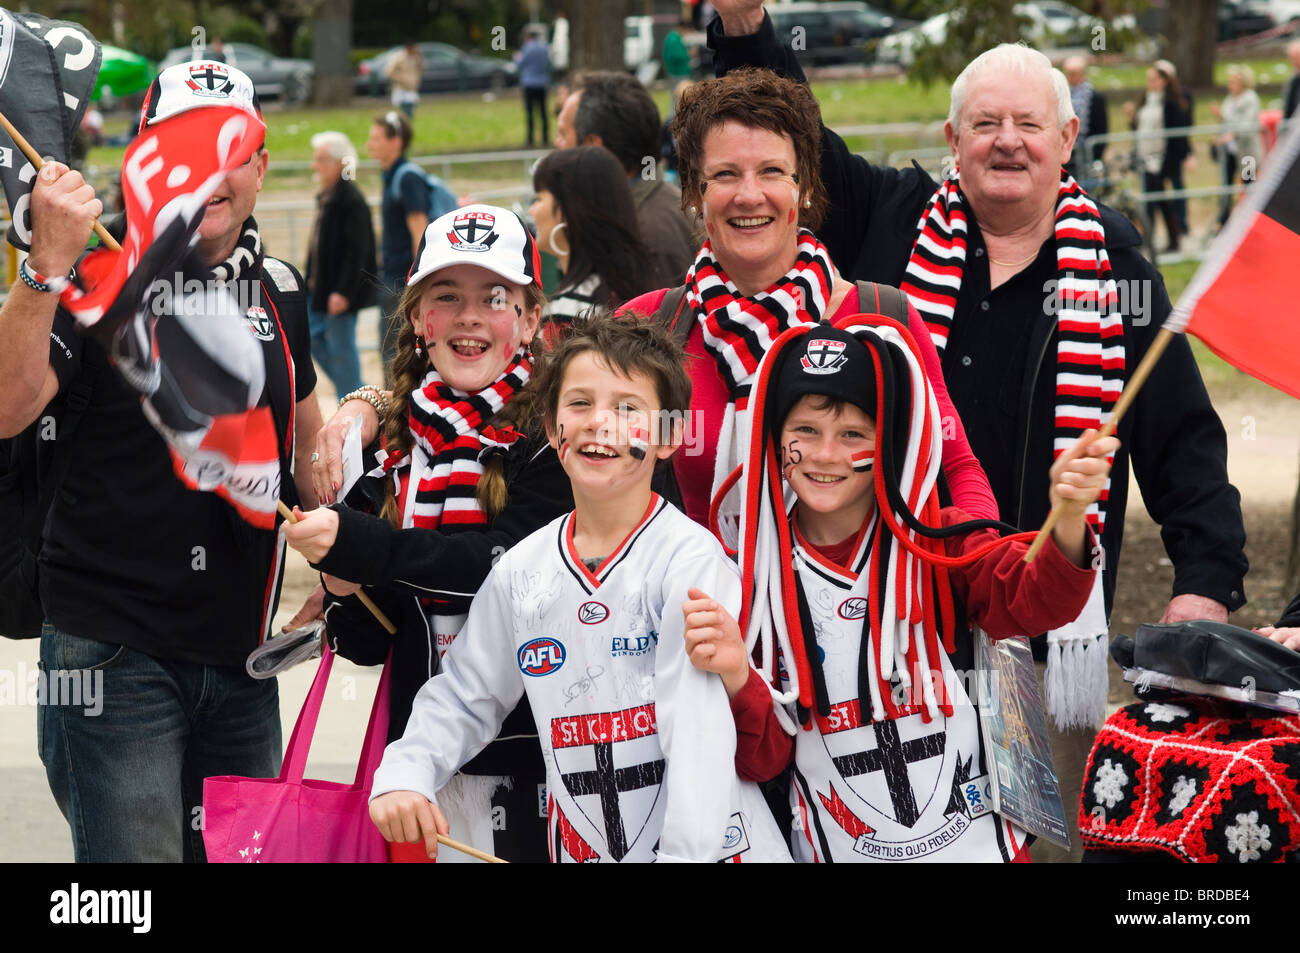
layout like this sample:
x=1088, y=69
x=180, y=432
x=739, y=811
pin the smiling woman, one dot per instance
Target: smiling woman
x=749, y=148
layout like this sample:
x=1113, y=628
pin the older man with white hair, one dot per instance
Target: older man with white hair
x=341, y=271
x=1090, y=108
x=1041, y=305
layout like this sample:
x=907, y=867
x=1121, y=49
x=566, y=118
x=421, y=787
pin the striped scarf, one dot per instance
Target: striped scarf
x=739, y=330
x=246, y=259
x=445, y=460
x=1090, y=328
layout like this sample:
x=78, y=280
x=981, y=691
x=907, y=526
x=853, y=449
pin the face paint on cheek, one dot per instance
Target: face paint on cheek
x=638, y=439
x=862, y=461
x=789, y=220
x=563, y=444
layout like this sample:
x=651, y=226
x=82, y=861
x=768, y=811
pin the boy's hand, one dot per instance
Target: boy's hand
x=314, y=533
x=409, y=816
x=1076, y=481
x=713, y=642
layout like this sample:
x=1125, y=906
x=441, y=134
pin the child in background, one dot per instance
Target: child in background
x=585, y=616
x=848, y=596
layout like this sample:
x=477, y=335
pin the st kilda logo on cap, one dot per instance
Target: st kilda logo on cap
x=473, y=231
x=823, y=356
x=210, y=79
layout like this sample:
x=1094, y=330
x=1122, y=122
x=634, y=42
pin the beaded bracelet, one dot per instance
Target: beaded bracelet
x=39, y=282
x=372, y=395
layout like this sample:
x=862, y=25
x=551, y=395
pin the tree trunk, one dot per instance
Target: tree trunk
x=1192, y=27
x=596, y=34
x=331, y=30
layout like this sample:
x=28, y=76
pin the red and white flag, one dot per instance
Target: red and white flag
x=1242, y=301
x=174, y=333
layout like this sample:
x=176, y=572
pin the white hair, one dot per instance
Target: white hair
x=1018, y=59
x=338, y=146
x=1244, y=72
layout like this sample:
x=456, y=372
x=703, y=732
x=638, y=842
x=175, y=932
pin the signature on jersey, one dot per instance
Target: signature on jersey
x=583, y=685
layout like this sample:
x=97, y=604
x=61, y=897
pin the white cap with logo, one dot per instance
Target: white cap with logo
x=484, y=235
x=194, y=85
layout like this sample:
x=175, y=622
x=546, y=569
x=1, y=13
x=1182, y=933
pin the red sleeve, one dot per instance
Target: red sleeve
x=763, y=749
x=966, y=480
x=1008, y=596
x=646, y=304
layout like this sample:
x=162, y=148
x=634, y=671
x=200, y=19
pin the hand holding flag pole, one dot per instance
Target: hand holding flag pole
x=365, y=599
x=107, y=240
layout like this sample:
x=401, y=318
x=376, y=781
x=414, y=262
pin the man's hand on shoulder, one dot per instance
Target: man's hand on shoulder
x=64, y=209
x=740, y=17
x=1187, y=607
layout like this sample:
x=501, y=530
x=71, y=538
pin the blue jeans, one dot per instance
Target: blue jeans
x=334, y=346
x=127, y=771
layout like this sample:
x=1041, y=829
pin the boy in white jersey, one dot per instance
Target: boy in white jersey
x=586, y=617
x=848, y=602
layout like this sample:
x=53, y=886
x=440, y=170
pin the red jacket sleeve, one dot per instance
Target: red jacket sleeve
x=1007, y=596
x=763, y=749
x=646, y=304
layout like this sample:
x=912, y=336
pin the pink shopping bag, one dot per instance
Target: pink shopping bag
x=292, y=820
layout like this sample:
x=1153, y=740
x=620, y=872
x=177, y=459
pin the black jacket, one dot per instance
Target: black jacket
x=345, y=254
x=399, y=566
x=1172, y=434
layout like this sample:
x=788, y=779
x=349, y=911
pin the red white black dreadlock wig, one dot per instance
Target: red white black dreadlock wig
x=872, y=362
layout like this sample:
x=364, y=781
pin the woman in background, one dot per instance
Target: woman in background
x=585, y=218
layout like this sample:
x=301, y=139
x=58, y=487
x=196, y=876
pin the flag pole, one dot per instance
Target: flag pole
x=1157, y=348
x=21, y=142
x=365, y=599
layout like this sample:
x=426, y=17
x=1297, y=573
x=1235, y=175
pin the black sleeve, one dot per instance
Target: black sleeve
x=355, y=223
x=762, y=50
x=1180, y=458
x=449, y=566
x=1291, y=617
x=65, y=348
x=355, y=633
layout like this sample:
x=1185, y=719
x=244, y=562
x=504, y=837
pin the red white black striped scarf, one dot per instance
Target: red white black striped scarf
x=739, y=330
x=445, y=424
x=1090, y=327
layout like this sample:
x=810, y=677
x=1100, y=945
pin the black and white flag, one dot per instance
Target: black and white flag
x=47, y=74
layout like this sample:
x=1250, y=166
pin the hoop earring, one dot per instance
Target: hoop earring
x=551, y=241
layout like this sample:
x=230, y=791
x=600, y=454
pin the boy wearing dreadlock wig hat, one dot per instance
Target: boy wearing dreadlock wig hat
x=855, y=600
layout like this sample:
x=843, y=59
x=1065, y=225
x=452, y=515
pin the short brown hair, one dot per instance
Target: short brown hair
x=395, y=126
x=760, y=99
x=624, y=342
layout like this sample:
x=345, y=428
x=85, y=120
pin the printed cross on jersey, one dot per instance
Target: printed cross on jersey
x=588, y=753
x=901, y=763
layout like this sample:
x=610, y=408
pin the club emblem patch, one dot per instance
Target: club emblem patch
x=210, y=79
x=853, y=608
x=590, y=613
x=823, y=356
x=261, y=324
x=473, y=231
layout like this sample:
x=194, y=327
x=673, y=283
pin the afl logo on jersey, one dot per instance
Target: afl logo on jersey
x=854, y=608
x=541, y=657
x=589, y=613
x=263, y=330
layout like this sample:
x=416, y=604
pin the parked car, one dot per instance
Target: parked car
x=274, y=77
x=445, y=69
x=1239, y=18
x=832, y=32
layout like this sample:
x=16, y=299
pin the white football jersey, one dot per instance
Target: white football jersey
x=902, y=789
x=639, y=745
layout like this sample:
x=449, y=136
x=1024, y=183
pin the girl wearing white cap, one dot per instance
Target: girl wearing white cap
x=464, y=473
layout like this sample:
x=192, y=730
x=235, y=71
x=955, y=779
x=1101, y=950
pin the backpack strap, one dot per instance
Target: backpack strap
x=877, y=298
x=75, y=405
x=669, y=313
